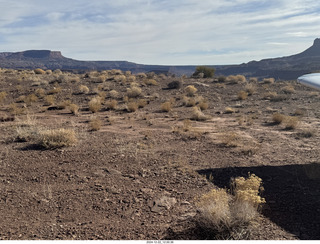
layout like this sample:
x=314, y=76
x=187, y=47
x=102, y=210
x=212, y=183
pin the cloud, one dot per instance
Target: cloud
x=161, y=31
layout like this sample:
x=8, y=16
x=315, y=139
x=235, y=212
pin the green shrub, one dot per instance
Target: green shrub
x=206, y=71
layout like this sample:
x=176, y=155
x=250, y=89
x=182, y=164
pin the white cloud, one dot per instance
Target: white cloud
x=161, y=31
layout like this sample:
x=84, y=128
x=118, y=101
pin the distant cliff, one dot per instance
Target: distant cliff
x=288, y=68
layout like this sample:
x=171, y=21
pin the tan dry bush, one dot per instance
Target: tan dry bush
x=132, y=106
x=250, y=88
x=241, y=78
x=74, y=109
x=114, y=94
x=49, y=100
x=83, y=89
x=229, y=216
x=166, y=106
x=74, y=79
x=64, y=104
x=31, y=98
x=142, y=103
x=268, y=80
x=198, y=115
x=21, y=99
x=269, y=95
x=134, y=92
x=56, y=138
x=203, y=105
x=229, y=110
x=306, y=133
x=190, y=90
x=111, y=104
x=48, y=72
x=230, y=139
x=314, y=94
x=253, y=80
x=242, y=95
x=141, y=76
x=15, y=110
x=189, y=101
x=39, y=71
x=120, y=78
x=95, y=124
x=40, y=92
x=150, y=82
x=278, y=118
x=131, y=78
x=55, y=90
x=95, y=104
x=289, y=89
x=247, y=190
x=3, y=96
x=291, y=122
x=116, y=72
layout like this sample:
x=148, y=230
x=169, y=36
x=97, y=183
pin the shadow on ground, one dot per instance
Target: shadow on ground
x=292, y=194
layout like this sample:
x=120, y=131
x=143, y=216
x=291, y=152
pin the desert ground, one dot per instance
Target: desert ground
x=143, y=148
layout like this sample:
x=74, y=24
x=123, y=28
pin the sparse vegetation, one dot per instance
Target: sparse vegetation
x=190, y=90
x=95, y=124
x=56, y=138
x=206, y=71
x=229, y=216
x=95, y=104
x=166, y=106
x=242, y=95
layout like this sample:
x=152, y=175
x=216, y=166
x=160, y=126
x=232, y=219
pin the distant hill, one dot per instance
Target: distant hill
x=288, y=68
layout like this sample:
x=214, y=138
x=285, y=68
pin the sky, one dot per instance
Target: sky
x=166, y=32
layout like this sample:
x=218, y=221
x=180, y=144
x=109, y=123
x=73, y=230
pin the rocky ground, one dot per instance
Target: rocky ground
x=138, y=176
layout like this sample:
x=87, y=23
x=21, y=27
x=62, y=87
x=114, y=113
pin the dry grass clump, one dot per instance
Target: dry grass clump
x=113, y=94
x=269, y=95
x=39, y=71
x=141, y=76
x=83, y=89
x=3, y=96
x=95, y=124
x=229, y=110
x=95, y=104
x=132, y=106
x=230, y=139
x=74, y=108
x=131, y=78
x=31, y=98
x=203, y=105
x=278, y=118
x=150, y=82
x=242, y=95
x=56, y=138
x=142, y=103
x=236, y=79
x=120, y=78
x=291, y=122
x=306, y=133
x=55, y=90
x=250, y=88
x=134, y=91
x=253, y=80
x=112, y=104
x=15, y=110
x=64, y=104
x=189, y=101
x=40, y=92
x=49, y=100
x=190, y=90
x=289, y=89
x=166, y=106
x=268, y=80
x=230, y=215
x=198, y=115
